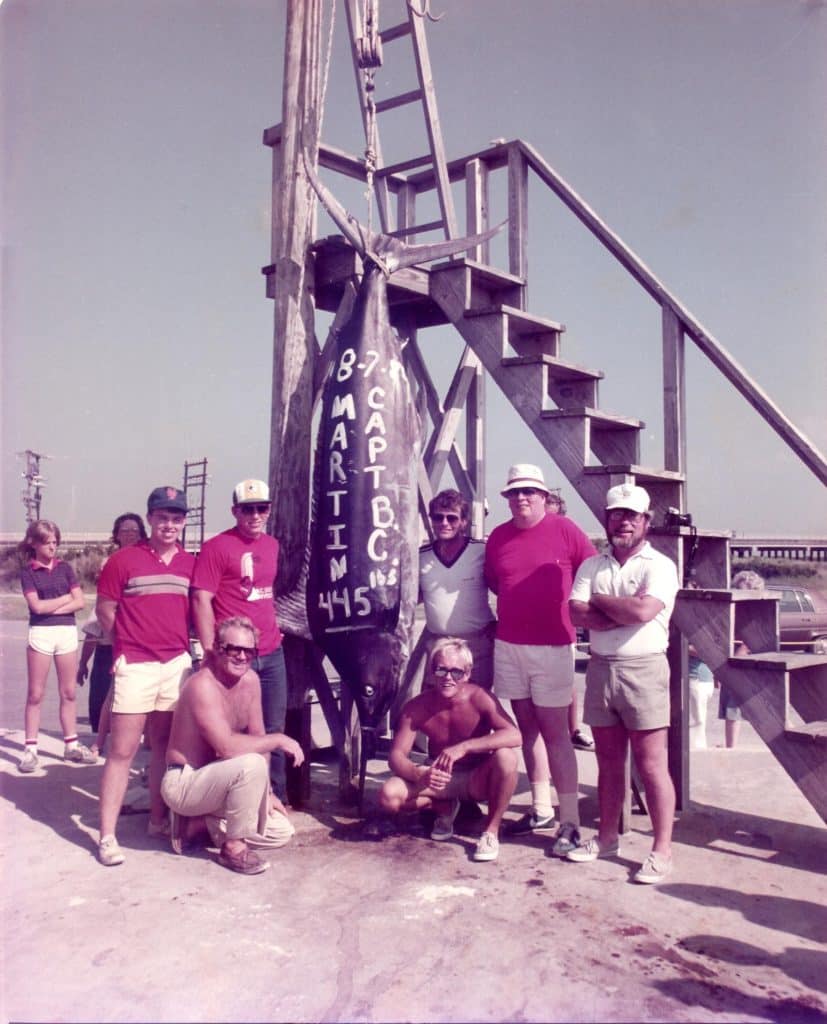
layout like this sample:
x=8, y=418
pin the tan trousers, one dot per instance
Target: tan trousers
x=236, y=789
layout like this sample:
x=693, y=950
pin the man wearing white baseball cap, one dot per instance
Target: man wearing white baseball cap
x=625, y=598
x=235, y=575
x=530, y=562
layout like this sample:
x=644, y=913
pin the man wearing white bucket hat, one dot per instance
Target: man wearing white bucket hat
x=625, y=598
x=530, y=562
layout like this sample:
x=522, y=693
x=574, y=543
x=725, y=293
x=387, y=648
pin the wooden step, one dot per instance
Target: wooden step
x=566, y=384
x=473, y=285
x=611, y=438
x=523, y=333
x=712, y=620
x=808, y=732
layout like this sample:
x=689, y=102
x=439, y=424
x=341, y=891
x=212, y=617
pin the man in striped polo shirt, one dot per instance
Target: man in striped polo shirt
x=143, y=603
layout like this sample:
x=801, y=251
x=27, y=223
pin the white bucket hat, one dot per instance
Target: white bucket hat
x=628, y=496
x=523, y=474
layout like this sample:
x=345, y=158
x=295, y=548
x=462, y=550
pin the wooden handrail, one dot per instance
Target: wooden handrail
x=709, y=345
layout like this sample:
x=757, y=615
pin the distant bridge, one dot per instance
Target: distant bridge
x=804, y=549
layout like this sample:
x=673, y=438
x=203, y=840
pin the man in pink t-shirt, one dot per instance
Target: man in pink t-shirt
x=530, y=564
x=235, y=575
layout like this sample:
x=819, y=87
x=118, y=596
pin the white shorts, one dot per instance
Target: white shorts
x=148, y=685
x=542, y=674
x=53, y=639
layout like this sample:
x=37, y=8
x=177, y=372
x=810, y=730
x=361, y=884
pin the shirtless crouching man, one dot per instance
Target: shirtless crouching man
x=218, y=752
x=473, y=744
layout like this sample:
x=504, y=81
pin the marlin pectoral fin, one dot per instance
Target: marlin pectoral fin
x=362, y=240
x=387, y=252
x=410, y=255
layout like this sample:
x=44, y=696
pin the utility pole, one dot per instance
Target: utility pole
x=35, y=483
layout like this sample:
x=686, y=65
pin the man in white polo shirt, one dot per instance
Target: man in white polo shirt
x=452, y=585
x=625, y=598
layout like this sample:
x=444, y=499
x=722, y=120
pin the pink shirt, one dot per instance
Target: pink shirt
x=241, y=575
x=531, y=572
x=152, y=618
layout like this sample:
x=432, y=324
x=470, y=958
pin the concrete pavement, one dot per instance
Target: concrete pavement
x=344, y=929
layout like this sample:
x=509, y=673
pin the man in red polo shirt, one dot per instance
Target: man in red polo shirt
x=143, y=603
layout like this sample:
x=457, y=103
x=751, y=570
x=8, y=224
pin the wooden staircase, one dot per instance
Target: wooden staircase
x=782, y=695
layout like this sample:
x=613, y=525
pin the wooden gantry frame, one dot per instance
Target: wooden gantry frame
x=522, y=353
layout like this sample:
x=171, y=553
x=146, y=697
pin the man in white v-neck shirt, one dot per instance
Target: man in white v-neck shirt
x=452, y=585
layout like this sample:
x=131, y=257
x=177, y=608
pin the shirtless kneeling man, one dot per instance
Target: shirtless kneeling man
x=473, y=744
x=218, y=753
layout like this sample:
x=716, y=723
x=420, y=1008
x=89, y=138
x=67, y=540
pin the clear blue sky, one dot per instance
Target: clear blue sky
x=136, y=193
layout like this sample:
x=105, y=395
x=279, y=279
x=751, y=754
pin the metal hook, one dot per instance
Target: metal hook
x=426, y=10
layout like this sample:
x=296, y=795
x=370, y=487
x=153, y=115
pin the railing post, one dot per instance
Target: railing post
x=674, y=392
x=518, y=215
x=476, y=207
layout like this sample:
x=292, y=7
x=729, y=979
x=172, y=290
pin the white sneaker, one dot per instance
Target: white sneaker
x=488, y=848
x=109, y=853
x=29, y=762
x=654, y=869
x=78, y=754
x=592, y=849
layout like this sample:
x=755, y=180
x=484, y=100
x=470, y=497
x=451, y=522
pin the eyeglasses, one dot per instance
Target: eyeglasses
x=528, y=492
x=249, y=510
x=237, y=651
x=626, y=513
x=441, y=671
x=444, y=517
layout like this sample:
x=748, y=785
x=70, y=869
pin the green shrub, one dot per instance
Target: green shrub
x=776, y=568
x=85, y=561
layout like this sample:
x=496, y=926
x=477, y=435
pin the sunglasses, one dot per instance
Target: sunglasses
x=441, y=671
x=249, y=510
x=237, y=651
x=444, y=517
x=528, y=492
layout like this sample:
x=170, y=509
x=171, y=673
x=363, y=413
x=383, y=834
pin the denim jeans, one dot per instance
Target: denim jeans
x=273, y=675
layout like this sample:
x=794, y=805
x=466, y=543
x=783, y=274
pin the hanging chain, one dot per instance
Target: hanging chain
x=369, y=50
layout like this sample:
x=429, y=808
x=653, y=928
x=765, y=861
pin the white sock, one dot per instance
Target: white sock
x=541, y=799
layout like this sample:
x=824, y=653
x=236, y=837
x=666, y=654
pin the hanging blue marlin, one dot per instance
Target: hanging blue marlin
x=363, y=575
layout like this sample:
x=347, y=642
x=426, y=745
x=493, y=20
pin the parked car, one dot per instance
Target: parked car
x=802, y=615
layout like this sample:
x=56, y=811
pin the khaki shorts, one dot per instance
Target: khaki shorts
x=458, y=787
x=53, y=639
x=146, y=686
x=633, y=692
x=542, y=674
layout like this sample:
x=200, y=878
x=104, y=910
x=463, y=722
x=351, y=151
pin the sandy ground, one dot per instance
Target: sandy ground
x=345, y=929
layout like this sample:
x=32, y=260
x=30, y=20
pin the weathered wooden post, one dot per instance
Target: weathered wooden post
x=294, y=345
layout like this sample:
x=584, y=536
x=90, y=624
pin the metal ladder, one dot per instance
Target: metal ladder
x=367, y=44
x=195, y=484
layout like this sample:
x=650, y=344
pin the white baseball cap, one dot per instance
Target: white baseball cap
x=629, y=496
x=523, y=474
x=249, y=491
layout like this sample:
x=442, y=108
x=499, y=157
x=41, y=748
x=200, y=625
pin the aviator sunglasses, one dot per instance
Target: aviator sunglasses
x=249, y=510
x=441, y=671
x=528, y=492
x=237, y=651
x=444, y=517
